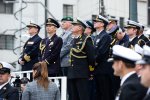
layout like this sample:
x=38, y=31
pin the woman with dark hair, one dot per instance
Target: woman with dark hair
x=41, y=88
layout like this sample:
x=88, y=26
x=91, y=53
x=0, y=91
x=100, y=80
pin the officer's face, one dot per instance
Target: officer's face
x=50, y=29
x=32, y=30
x=88, y=31
x=138, y=68
x=119, y=35
x=66, y=25
x=110, y=25
x=117, y=67
x=131, y=31
x=76, y=28
x=145, y=75
x=4, y=78
x=98, y=24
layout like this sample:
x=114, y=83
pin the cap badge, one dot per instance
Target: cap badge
x=49, y=20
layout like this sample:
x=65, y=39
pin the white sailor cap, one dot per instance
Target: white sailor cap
x=124, y=54
x=131, y=23
x=138, y=49
x=146, y=56
x=141, y=26
x=100, y=18
x=139, y=46
x=5, y=67
x=33, y=24
x=112, y=19
x=79, y=21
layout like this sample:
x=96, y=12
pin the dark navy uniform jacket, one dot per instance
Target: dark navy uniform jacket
x=124, y=40
x=143, y=38
x=81, y=56
x=9, y=93
x=131, y=44
x=132, y=89
x=31, y=48
x=50, y=52
x=102, y=47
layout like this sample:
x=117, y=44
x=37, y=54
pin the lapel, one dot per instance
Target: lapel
x=99, y=37
x=4, y=89
x=134, y=41
x=130, y=78
x=50, y=42
x=147, y=97
x=30, y=40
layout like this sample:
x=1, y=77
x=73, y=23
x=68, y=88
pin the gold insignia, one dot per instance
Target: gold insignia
x=91, y=68
x=141, y=42
x=1, y=65
x=27, y=58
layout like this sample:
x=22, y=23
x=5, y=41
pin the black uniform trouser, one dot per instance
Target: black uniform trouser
x=103, y=87
x=78, y=89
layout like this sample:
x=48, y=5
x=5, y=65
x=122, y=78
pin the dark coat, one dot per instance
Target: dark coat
x=130, y=44
x=8, y=92
x=50, y=52
x=147, y=97
x=102, y=47
x=124, y=40
x=132, y=89
x=81, y=56
x=31, y=48
x=143, y=38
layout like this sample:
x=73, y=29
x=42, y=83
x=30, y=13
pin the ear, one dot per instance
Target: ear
x=120, y=64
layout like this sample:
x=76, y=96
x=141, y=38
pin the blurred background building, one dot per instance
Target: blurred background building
x=16, y=14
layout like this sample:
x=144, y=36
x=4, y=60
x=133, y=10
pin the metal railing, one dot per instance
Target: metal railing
x=61, y=82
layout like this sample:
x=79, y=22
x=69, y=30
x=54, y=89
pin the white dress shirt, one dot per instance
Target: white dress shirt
x=1, y=86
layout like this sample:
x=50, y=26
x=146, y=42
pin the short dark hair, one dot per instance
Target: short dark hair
x=129, y=65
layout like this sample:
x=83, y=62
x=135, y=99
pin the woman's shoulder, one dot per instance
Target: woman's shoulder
x=52, y=85
x=33, y=83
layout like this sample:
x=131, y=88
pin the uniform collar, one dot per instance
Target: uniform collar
x=126, y=76
x=51, y=37
x=98, y=32
x=1, y=86
x=32, y=36
x=130, y=39
x=76, y=36
x=140, y=35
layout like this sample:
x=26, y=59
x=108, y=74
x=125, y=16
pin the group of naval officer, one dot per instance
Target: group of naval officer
x=81, y=53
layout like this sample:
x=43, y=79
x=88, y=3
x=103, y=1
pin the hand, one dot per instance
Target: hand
x=21, y=62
